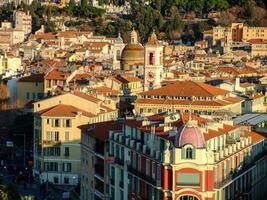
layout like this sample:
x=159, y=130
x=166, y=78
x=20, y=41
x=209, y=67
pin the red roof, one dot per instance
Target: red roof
x=86, y=96
x=187, y=89
x=32, y=78
x=55, y=74
x=63, y=110
x=101, y=130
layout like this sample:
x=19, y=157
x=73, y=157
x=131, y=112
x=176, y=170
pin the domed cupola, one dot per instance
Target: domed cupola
x=189, y=133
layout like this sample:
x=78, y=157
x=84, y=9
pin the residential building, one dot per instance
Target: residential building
x=172, y=156
x=30, y=88
x=258, y=47
x=239, y=33
x=95, y=158
x=57, y=136
x=23, y=21
x=181, y=95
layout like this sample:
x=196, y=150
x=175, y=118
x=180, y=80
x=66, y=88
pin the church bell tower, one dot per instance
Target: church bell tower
x=153, y=63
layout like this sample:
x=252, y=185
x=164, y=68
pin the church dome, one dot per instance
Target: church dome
x=133, y=53
x=190, y=134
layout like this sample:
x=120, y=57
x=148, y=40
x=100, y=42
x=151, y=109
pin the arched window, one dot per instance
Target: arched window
x=189, y=153
x=151, y=58
x=188, y=197
x=118, y=55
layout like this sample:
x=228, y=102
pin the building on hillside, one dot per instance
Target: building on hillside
x=23, y=21
x=10, y=36
x=57, y=136
x=239, y=33
x=16, y=2
x=94, y=164
x=258, y=47
x=167, y=157
x=181, y=95
x=30, y=88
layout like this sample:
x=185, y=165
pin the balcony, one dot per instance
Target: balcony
x=240, y=172
x=143, y=176
x=46, y=143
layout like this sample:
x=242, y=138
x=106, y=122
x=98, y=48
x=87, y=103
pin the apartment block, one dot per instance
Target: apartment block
x=57, y=136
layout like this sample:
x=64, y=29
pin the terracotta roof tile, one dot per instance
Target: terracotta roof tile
x=101, y=130
x=62, y=110
x=32, y=78
x=187, y=89
x=86, y=96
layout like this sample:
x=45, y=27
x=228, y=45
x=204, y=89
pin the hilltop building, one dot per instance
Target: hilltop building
x=239, y=33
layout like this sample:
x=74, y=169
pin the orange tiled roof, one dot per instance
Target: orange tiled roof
x=256, y=137
x=43, y=36
x=32, y=78
x=128, y=79
x=55, y=74
x=101, y=130
x=212, y=133
x=62, y=110
x=105, y=90
x=86, y=96
x=187, y=89
x=183, y=102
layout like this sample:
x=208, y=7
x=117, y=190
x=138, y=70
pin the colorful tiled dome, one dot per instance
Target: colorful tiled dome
x=190, y=134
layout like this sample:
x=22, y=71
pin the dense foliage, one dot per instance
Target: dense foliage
x=171, y=19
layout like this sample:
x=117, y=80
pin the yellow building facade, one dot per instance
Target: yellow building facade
x=57, y=138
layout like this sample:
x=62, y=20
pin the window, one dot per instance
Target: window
x=27, y=95
x=36, y=83
x=151, y=58
x=189, y=153
x=48, y=135
x=68, y=123
x=139, y=163
x=33, y=96
x=67, y=152
x=188, y=179
x=188, y=197
x=66, y=167
x=56, y=138
x=40, y=95
x=56, y=122
x=47, y=121
x=147, y=167
x=56, y=180
x=67, y=136
x=66, y=180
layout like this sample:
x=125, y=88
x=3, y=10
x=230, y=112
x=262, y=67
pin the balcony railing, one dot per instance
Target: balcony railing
x=143, y=176
x=51, y=143
x=238, y=172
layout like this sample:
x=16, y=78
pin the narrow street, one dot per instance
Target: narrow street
x=29, y=190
